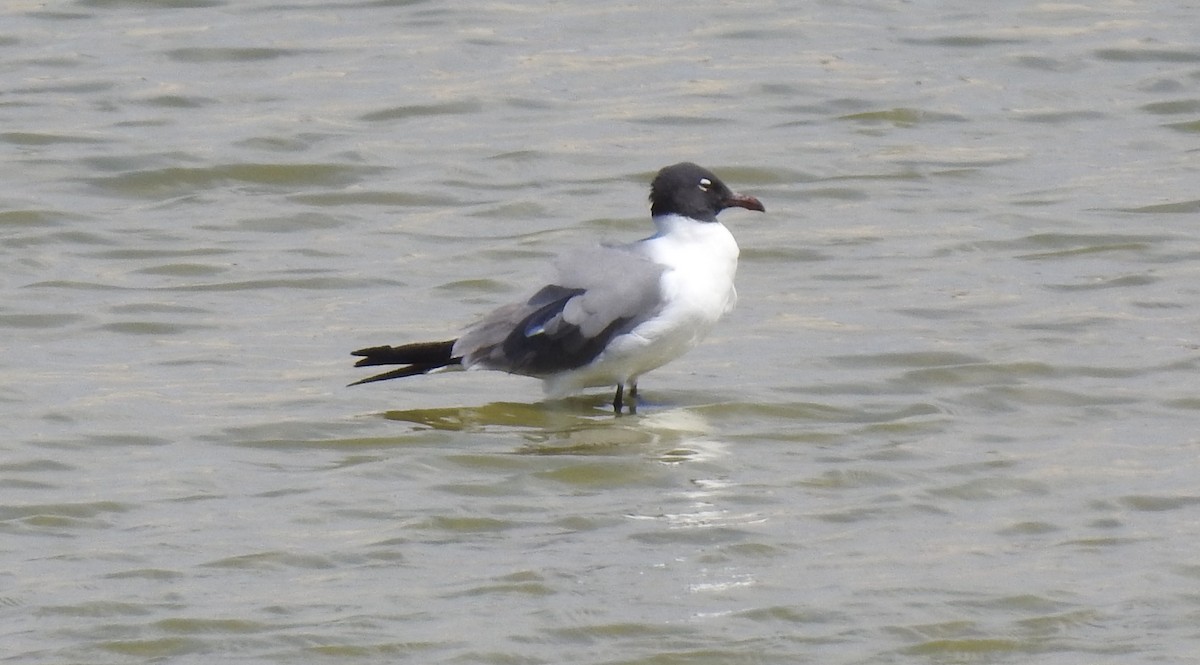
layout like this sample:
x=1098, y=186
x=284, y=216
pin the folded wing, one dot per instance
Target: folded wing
x=599, y=293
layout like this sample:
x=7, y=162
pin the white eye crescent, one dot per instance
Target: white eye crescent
x=705, y=183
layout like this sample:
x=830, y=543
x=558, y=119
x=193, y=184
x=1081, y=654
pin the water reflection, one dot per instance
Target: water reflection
x=581, y=425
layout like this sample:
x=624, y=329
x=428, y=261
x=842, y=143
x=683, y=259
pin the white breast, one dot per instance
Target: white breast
x=701, y=258
x=697, y=287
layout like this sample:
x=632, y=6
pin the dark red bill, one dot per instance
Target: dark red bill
x=743, y=201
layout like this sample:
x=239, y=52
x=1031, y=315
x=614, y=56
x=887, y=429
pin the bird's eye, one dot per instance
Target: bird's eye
x=705, y=183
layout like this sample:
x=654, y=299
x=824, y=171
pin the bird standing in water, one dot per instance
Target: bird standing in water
x=614, y=312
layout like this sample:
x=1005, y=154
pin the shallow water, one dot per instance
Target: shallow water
x=952, y=419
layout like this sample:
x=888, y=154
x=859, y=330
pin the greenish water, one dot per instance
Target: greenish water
x=951, y=421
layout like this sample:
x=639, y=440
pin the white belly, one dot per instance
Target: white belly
x=697, y=288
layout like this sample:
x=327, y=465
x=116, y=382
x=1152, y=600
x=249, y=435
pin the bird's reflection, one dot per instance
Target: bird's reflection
x=580, y=425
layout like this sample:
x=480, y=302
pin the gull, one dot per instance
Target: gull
x=613, y=312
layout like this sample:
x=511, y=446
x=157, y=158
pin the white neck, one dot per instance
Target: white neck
x=701, y=257
x=685, y=240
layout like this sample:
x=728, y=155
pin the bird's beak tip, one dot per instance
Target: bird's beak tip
x=744, y=201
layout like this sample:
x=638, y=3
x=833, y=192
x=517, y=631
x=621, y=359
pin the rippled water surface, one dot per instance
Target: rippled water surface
x=953, y=420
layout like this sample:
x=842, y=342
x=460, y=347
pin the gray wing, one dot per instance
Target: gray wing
x=599, y=293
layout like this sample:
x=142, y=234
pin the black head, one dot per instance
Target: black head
x=693, y=191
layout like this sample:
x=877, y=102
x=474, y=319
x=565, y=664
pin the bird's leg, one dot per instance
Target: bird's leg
x=633, y=396
x=619, y=399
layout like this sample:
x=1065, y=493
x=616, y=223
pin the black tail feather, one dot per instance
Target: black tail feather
x=420, y=358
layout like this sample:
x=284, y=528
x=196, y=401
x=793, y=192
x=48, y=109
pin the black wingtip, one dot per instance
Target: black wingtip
x=421, y=353
x=419, y=358
x=400, y=373
x=393, y=374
